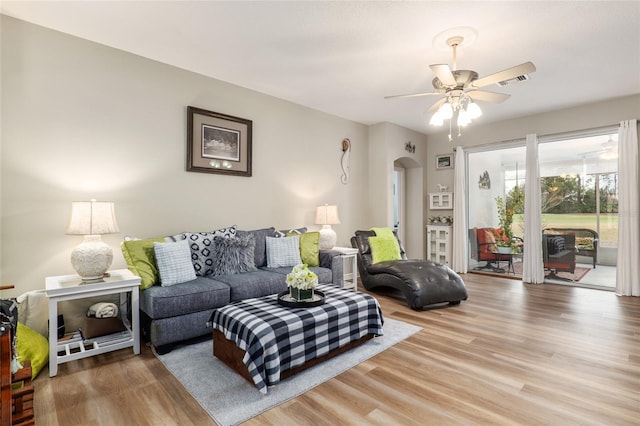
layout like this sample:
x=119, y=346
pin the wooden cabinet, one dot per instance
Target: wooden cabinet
x=441, y=201
x=439, y=240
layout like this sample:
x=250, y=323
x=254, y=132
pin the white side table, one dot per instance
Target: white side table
x=70, y=287
x=349, y=255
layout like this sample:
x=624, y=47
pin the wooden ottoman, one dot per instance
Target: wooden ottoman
x=266, y=342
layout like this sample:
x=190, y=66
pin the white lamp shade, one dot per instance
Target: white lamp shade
x=463, y=118
x=436, y=120
x=92, y=218
x=445, y=111
x=473, y=110
x=327, y=215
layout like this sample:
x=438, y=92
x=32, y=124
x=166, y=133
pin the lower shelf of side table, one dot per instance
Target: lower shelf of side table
x=75, y=347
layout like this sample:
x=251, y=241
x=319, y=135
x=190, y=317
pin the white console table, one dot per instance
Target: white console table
x=71, y=287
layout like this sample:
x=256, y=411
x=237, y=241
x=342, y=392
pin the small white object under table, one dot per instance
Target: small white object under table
x=71, y=287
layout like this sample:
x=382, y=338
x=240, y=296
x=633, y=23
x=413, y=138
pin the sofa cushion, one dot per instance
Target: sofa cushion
x=325, y=275
x=233, y=255
x=184, y=298
x=174, y=262
x=260, y=251
x=253, y=284
x=283, y=251
x=141, y=260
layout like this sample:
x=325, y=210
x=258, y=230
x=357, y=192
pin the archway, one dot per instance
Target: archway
x=408, y=204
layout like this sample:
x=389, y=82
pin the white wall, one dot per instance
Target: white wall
x=81, y=121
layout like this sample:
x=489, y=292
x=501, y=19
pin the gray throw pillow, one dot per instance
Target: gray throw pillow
x=260, y=252
x=233, y=255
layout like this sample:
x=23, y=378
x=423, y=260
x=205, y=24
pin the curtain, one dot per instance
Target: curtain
x=460, y=260
x=628, y=263
x=532, y=266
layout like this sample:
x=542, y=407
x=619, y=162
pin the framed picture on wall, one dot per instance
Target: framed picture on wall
x=218, y=143
x=444, y=161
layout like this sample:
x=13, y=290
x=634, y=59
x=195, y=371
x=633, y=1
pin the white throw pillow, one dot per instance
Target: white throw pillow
x=174, y=262
x=283, y=251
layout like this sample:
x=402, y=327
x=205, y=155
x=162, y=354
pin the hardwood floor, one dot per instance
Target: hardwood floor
x=511, y=354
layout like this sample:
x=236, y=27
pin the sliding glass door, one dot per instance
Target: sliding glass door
x=579, y=194
x=579, y=184
x=494, y=174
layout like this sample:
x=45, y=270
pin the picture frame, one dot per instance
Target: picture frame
x=444, y=161
x=218, y=143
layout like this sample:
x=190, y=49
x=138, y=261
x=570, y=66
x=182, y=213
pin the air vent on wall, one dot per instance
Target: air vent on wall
x=523, y=77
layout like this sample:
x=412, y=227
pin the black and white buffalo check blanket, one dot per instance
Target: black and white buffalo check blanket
x=276, y=338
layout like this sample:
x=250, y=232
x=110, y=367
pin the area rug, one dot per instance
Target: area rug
x=578, y=274
x=230, y=399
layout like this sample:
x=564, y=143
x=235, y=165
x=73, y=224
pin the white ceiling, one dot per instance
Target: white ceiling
x=344, y=57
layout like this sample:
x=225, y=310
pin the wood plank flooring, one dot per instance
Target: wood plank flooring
x=511, y=354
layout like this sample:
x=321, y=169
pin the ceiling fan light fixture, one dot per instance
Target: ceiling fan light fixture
x=473, y=110
x=445, y=111
x=436, y=120
x=463, y=118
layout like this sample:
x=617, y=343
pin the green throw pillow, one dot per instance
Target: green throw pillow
x=309, y=247
x=32, y=346
x=384, y=249
x=141, y=260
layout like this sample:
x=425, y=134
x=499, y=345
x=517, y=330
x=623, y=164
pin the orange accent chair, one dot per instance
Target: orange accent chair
x=483, y=247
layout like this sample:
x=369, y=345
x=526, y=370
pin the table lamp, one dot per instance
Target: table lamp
x=92, y=258
x=326, y=216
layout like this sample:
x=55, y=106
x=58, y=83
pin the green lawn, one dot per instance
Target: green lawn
x=608, y=224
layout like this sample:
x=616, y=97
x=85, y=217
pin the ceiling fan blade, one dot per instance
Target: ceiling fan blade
x=444, y=74
x=435, y=106
x=413, y=95
x=503, y=75
x=483, y=95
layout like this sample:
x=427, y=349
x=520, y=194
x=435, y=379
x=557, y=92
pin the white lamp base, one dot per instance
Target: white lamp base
x=92, y=258
x=328, y=237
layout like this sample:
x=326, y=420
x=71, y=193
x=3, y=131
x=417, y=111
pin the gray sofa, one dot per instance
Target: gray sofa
x=181, y=311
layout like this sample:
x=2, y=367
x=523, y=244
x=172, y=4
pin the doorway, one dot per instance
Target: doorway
x=399, y=197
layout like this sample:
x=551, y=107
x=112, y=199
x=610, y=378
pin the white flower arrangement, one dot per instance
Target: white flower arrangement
x=302, y=278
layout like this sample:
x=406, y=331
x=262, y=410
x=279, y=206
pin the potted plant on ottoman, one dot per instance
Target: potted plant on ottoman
x=301, y=282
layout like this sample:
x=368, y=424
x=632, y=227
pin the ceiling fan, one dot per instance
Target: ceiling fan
x=460, y=87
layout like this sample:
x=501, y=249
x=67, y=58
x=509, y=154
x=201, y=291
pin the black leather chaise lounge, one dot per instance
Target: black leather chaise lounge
x=422, y=282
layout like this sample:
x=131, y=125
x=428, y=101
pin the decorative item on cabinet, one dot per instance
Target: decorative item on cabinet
x=441, y=200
